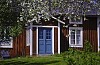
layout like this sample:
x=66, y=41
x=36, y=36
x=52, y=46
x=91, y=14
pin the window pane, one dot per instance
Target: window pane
x=78, y=19
x=78, y=37
x=75, y=19
x=41, y=34
x=72, y=32
x=5, y=43
x=48, y=34
x=78, y=42
x=73, y=37
x=77, y=31
x=72, y=41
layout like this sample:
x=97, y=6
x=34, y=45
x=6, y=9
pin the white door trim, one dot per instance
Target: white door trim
x=31, y=38
x=44, y=26
x=58, y=38
x=52, y=39
x=98, y=31
x=37, y=40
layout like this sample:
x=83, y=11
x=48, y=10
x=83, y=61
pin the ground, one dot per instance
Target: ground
x=50, y=60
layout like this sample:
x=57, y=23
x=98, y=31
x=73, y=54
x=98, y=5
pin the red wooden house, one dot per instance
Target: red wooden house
x=53, y=38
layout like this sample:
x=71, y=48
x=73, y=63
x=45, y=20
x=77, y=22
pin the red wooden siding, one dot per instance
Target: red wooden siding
x=34, y=41
x=89, y=33
x=55, y=40
x=64, y=40
x=19, y=46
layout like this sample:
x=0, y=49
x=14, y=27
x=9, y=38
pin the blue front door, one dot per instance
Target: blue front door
x=45, y=41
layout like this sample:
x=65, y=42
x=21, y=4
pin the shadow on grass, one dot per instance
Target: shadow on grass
x=25, y=63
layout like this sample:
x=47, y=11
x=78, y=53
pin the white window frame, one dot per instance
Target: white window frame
x=76, y=22
x=10, y=46
x=27, y=36
x=81, y=34
x=98, y=32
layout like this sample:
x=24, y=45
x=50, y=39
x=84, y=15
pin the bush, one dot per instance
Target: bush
x=87, y=46
x=76, y=57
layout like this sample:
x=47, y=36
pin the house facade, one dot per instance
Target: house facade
x=53, y=38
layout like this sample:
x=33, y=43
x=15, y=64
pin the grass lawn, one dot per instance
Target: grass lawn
x=50, y=60
x=71, y=57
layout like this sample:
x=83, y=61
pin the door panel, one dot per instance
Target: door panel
x=45, y=41
x=41, y=47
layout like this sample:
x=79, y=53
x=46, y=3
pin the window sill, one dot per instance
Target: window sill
x=75, y=22
x=6, y=47
x=76, y=46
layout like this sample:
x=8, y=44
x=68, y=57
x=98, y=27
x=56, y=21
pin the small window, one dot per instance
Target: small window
x=27, y=37
x=75, y=20
x=48, y=34
x=76, y=37
x=6, y=41
x=41, y=34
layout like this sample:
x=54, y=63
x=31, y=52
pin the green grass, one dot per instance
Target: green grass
x=50, y=60
x=71, y=57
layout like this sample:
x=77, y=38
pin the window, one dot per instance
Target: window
x=48, y=34
x=75, y=37
x=27, y=37
x=41, y=34
x=6, y=41
x=75, y=20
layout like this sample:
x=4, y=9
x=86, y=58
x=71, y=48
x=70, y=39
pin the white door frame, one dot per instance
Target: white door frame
x=31, y=40
x=37, y=27
x=98, y=31
x=58, y=38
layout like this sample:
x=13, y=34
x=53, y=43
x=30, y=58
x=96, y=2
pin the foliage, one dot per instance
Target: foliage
x=77, y=58
x=81, y=58
x=34, y=10
x=14, y=14
x=9, y=16
x=87, y=46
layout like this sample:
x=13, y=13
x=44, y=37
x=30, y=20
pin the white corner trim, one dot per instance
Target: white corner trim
x=37, y=40
x=98, y=31
x=31, y=37
x=27, y=36
x=58, y=38
x=52, y=40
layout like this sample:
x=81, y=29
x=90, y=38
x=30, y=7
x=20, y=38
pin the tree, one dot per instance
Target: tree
x=9, y=16
x=14, y=14
x=35, y=9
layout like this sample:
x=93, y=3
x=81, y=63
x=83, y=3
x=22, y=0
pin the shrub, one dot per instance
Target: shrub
x=87, y=46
